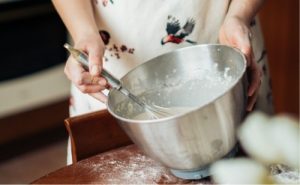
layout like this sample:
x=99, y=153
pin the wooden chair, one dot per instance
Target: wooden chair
x=94, y=133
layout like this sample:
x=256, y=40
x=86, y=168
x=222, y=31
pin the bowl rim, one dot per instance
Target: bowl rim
x=192, y=109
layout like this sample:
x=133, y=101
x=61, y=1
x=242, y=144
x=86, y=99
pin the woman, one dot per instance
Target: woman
x=120, y=35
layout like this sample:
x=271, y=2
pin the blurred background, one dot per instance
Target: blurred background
x=34, y=91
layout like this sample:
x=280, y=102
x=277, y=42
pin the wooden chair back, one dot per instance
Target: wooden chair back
x=94, y=133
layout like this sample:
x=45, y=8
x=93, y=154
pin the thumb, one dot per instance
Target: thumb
x=244, y=44
x=95, y=60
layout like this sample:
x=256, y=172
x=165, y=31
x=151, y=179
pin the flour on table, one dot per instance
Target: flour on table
x=134, y=168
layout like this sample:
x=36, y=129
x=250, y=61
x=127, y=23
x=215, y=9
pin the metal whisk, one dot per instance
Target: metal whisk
x=154, y=111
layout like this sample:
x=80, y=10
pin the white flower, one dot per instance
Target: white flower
x=271, y=140
x=268, y=140
x=240, y=171
x=255, y=139
x=286, y=137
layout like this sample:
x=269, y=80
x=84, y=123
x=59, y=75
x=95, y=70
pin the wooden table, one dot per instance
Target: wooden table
x=126, y=165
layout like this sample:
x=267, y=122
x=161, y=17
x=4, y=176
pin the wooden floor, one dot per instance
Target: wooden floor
x=33, y=143
x=26, y=167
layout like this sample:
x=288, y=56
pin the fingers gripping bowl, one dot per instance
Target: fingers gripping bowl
x=205, y=85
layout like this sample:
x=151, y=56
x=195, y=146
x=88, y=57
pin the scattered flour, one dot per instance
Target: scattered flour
x=130, y=166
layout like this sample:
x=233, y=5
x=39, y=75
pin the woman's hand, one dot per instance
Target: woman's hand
x=88, y=82
x=78, y=16
x=235, y=32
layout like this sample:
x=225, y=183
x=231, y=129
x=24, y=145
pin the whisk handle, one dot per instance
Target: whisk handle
x=113, y=81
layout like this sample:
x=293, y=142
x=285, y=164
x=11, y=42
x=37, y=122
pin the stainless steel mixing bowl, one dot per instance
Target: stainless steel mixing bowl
x=194, y=139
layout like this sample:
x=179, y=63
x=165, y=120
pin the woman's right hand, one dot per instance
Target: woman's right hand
x=89, y=82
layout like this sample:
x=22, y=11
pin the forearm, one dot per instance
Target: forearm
x=244, y=9
x=78, y=17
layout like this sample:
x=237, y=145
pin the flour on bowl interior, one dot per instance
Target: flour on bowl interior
x=199, y=88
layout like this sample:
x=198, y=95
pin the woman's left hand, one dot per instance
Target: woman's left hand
x=236, y=33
